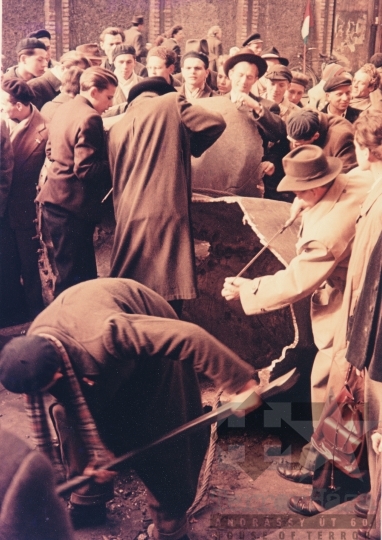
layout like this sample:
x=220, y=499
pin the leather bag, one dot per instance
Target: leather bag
x=340, y=436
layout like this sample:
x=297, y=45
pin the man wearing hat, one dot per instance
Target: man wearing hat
x=272, y=58
x=134, y=37
x=330, y=203
x=32, y=60
x=255, y=43
x=317, y=96
x=92, y=52
x=44, y=36
x=331, y=133
x=297, y=88
x=338, y=96
x=152, y=185
x=195, y=72
x=28, y=136
x=279, y=78
x=124, y=60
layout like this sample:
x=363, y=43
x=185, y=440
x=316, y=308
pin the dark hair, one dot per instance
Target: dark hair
x=98, y=77
x=18, y=90
x=174, y=30
x=70, y=82
x=162, y=52
x=112, y=31
x=368, y=131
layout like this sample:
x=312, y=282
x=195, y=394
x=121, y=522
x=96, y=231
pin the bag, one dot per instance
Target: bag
x=340, y=436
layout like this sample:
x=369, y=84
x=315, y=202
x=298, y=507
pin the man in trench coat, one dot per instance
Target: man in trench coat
x=150, y=152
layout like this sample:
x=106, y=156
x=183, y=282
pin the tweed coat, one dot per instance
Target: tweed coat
x=50, y=107
x=29, y=506
x=28, y=141
x=79, y=175
x=336, y=138
x=45, y=88
x=368, y=229
x=135, y=38
x=150, y=152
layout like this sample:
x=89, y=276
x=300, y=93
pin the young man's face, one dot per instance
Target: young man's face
x=124, y=66
x=194, y=72
x=276, y=90
x=109, y=43
x=295, y=92
x=361, y=84
x=340, y=98
x=243, y=75
x=257, y=48
x=156, y=67
x=35, y=64
x=7, y=107
x=223, y=83
x=102, y=99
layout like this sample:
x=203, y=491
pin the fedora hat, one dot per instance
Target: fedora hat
x=245, y=55
x=307, y=167
x=137, y=19
x=197, y=45
x=274, y=53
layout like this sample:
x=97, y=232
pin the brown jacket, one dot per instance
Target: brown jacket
x=79, y=175
x=336, y=139
x=45, y=88
x=150, y=152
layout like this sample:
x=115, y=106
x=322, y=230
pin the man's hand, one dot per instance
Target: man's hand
x=231, y=287
x=245, y=99
x=268, y=168
x=246, y=400
x=376, y=440
x=101, y=476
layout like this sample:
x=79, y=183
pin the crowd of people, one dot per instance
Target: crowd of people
x=149, y=123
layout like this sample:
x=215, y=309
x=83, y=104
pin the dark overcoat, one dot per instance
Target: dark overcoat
x=150, y=152
x=45, y=88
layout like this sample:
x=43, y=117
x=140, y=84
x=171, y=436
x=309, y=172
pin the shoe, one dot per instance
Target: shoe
x=305, y=506
x=294, y=472
x=277, y=386
x=87, y=516
x=361, y=507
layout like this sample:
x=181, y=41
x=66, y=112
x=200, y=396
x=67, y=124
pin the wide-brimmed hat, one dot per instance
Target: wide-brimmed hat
x=197, y=45
x=253, y=38
x=91, y=50
x=158, y=85
x=245, y=55
x=274, y=53
x=307, y=167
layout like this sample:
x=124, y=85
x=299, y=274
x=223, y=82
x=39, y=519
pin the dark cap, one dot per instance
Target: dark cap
x=253, y=38
x=18, y=89
x=279, y=72
x=300, y=78
x=303, y=125
x=137, y=19
x=307, y=167
x=194, y=54
x=30, y=43
x=336, y=82
x=91, y=50
x=274, y=53
x=28, y=363
x=197, y=45
x=245, y=55
x=158, y=85
x=376, y=60
x=43, y=33
x=123, y=49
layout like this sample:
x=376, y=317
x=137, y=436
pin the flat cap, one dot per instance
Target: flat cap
x=193, y=54
x=253, y=38
x=303, y=125
x=336, y=82
x=300, y=78
x=158, y=85
x=28, y=363
x=278, y=72
x=30, y=43
x=43, y=33
x=18, y=89
x=123, y=49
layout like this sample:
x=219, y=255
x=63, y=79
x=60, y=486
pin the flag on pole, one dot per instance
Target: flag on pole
x=307, y=23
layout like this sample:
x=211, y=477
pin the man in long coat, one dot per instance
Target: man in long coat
x=150, y=151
